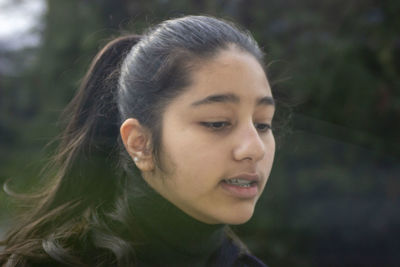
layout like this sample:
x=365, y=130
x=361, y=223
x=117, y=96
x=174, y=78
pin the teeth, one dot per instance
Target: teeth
x=239, y=182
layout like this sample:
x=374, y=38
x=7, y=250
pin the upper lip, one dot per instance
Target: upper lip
x=252, y=177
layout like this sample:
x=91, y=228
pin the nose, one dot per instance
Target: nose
x=249, y=144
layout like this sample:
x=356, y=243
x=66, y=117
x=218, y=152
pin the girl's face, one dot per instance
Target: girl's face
x=217, y=131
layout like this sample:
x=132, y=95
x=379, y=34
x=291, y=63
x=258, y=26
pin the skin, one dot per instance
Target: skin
x=206, y=140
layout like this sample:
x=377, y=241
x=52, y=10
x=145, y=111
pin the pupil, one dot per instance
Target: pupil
x=217, y=124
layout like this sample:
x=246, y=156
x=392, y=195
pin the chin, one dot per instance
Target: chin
x=238, y=215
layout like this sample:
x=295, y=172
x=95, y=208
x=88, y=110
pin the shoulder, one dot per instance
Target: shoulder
x=233, y=254
x=248, y=260
x=15, y=260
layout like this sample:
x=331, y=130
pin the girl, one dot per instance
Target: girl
x=168, y=141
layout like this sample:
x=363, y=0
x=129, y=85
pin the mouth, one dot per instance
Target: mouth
x=240, y=182
x=242, y=186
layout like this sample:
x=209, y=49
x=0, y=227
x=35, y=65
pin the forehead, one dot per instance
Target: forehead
x=231, y=71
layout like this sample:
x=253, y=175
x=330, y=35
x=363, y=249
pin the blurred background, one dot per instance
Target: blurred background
x=333, y=198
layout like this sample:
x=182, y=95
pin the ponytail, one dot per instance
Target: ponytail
x=83, y=170
x=92, y=115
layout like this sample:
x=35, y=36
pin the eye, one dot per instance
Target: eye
x=263, y=127
x=216, y=125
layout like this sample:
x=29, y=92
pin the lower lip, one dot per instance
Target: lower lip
x=239, y=191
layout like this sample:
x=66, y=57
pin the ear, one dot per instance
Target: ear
x=137, y=141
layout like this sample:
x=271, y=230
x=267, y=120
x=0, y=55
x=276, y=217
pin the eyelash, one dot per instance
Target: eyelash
x=216, y=125
x=221, y=125
x=266, y=127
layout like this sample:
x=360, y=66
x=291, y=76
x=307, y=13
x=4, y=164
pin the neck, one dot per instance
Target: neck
x=169, y=234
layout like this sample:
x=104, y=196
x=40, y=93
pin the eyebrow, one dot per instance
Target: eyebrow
x=222, y=98
x=266, y=100
x=231, y=98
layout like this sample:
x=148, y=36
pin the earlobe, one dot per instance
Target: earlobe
x=137, y=142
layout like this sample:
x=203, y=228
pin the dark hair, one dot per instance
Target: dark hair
x=132, y=76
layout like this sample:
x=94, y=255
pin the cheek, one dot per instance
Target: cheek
x=194, y=162
x=193, y=159
x=188, y=147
